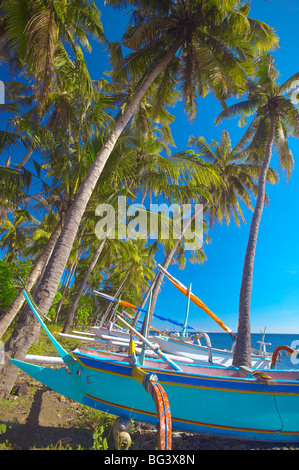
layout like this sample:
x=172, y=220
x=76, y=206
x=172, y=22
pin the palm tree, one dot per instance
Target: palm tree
x=66, y=168
x=213, y=38
x=235, y=184
x=276, y=118
x=153, y=108
x=238, y=179
x=131, y=272
x=223, y=38
x=79, y=292
x=39, y=33
x=39, y=264
x=14, y=188
x=14, y=233
x=137, y=164
x=44, y=43
x=66, y=163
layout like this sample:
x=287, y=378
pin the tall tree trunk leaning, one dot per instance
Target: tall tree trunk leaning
x=25, y=159
x=24, y=335
x=167, y=260
x=72, y=272
x=117, y=293
x=242, y=354
x=64, y=245
x=70, y=275
x=37, y=269
x=60, y=255
x=74, y=306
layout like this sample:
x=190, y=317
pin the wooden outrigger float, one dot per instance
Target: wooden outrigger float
x=235, y=402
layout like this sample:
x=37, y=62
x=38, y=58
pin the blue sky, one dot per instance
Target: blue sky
x=275, y=296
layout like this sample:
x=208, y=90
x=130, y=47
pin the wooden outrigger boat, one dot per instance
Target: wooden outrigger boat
x=114, y=330
x=203, y=354
x=191, y=347
x=180, y=347
x=235, y=402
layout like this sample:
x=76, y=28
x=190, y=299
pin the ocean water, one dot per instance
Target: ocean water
x=223, y=341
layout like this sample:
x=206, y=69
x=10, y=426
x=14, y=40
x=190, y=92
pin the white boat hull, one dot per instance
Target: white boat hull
x=101, y=330
x=200, y=354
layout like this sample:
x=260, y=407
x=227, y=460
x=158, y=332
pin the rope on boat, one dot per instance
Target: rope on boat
x=155, y=389
x=151, y=384
x=261, y=377
x=258, y=375
x=277, y=351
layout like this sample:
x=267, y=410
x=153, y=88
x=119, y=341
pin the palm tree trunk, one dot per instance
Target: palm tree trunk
x=57, y=263
x=63, y=248
x=25, y=159
x=167, y=260
x=72, y=270
x=25, y=333
x=117, y=293
x=242, y=354
x=74, y=306
x=39, y=264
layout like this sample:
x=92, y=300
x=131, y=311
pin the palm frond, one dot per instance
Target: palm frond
x=245, y=107
x=281, y=143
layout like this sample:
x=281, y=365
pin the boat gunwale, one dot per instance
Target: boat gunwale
x=248, y=380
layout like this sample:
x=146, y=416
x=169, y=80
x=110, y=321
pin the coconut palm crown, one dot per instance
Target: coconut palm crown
x=276, y=118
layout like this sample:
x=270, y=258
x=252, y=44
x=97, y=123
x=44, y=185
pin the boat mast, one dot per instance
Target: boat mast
x=183, y=333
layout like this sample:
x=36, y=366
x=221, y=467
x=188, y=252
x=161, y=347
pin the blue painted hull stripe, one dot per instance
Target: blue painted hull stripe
x=186, y=421
x=186, y=380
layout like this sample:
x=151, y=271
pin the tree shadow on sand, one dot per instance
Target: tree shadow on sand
x=32, y=435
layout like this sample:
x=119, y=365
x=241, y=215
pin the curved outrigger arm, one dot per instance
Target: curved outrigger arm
x=65, y=380
x=68, y=381
x=65, y=356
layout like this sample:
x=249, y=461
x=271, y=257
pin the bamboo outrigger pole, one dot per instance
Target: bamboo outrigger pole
x=195, y=300
x=150, y=345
